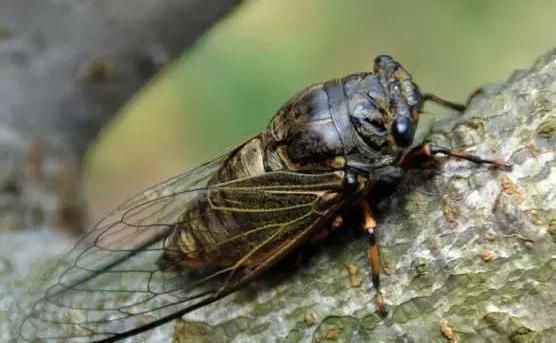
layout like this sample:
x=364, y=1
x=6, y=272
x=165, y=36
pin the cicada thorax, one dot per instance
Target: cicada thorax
x=337, y=126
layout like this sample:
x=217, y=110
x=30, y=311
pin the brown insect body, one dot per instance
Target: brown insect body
x=336, y=127
x=231, y=219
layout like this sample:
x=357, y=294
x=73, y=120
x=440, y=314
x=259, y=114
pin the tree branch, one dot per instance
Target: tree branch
x=67, y=68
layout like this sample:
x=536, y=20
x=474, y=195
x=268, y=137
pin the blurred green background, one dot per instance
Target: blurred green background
x=229, y=85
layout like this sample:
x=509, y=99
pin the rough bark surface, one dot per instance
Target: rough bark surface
x=468, y=252
x=67, y=66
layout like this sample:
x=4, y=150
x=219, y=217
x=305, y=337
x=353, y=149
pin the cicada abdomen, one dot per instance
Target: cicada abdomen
x=237, y=222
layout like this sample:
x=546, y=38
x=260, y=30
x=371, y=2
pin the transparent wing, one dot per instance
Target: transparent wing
x=112, y=284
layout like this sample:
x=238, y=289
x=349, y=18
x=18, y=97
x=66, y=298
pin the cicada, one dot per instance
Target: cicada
x=198, y=237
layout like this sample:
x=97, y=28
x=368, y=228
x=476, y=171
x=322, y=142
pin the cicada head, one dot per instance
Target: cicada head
x=389, y=119
x=405, y=99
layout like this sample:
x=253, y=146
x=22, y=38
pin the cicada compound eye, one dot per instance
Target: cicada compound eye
x=402, y=131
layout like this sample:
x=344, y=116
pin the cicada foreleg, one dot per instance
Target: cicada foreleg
x=418, y=155
x=445, y=103
x=453, y=105
x=369, y=225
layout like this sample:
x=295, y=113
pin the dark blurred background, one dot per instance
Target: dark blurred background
x=229, y=85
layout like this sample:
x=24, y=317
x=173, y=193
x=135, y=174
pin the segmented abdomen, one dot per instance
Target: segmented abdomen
x=216, y=229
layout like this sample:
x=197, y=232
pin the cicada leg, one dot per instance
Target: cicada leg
x=454, y=105
x=418, y=155
x=451, y=105
x=369, y=225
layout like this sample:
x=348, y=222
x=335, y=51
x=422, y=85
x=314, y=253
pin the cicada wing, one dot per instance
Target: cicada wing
x=112, y=284
x=113, y=266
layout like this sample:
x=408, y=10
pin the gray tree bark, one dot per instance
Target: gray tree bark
x=67, y=66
